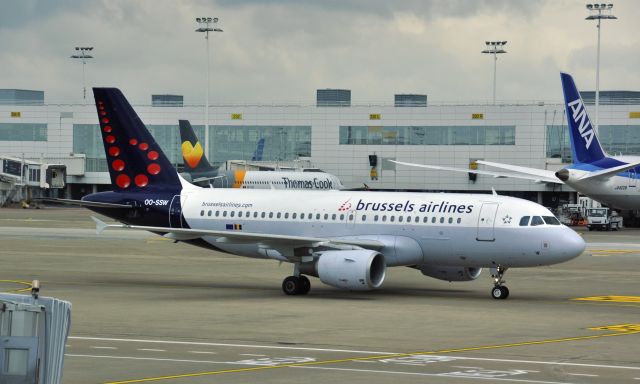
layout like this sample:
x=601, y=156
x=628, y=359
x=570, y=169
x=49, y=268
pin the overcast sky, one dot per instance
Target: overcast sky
x=282, y=51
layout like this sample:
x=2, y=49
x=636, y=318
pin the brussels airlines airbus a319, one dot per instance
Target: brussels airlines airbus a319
x=346, y=238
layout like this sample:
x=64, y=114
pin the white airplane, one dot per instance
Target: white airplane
x=612, y=180
x=346, y=238
x=198, y=170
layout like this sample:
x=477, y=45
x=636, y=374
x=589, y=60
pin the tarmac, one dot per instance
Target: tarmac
x=146, y=309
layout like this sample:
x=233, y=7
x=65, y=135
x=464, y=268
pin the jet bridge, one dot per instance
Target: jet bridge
x=33, y=335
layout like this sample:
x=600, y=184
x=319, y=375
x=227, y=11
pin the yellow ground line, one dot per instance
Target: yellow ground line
x=351, y=359
x=27, y=283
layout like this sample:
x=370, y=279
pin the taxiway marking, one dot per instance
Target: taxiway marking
x=388, y=356
x=611, y=299
x=19, y=282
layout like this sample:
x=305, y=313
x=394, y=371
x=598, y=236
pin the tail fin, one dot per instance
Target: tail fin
x=192, y=152
x=257, y=155
x=134, y=159
x=585, y=145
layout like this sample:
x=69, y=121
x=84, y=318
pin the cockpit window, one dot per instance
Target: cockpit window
x=536, y=220
x=524, y=221
x=551, y=220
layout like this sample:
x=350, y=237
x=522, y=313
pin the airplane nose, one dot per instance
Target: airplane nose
x=572, y=244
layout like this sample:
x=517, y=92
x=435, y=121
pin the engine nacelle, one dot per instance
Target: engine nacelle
x=357, y=270
x=450, y=273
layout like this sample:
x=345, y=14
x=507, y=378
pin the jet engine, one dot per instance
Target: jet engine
x=357, y=270
x=450, y=273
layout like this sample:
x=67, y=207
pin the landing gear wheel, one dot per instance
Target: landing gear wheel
x=292, y=285
x=305, y=285
x=500, y=292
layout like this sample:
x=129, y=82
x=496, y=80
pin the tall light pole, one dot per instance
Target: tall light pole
x=598, y=13
x=494, y=48
x=205, y=24
x=84, y=56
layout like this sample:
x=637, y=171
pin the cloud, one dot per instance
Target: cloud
x=282, y=51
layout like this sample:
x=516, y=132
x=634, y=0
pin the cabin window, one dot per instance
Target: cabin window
x=451, y=220
x=350, y=217
x=364, y=217
x=302, y=216
x=459, y=220
x=286, y=215
x=224, y=213
x=209, y=213
x=263, y=214
x=433, y=219
x=392, y=218
x=424, y=219
x=409, y=219
x=232, y=213
x=247, y=214
x=524, y=221
x=317, y=216
x=293, y=215
x=551, y=220
x=536, y=220
x=202, y=213
x=333, y=217
x=217, y=213
x=375, y=218
x=271, y=215
x=278, y=215
x=384, y=217
x=441, y=220
x=399, y=219
x=239, y=213
x=341, y=216
x=255, y=214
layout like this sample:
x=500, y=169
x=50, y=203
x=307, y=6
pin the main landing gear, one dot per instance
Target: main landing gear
x=297, y=284
x=499, y=291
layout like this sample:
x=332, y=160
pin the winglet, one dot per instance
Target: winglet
x=100, y=225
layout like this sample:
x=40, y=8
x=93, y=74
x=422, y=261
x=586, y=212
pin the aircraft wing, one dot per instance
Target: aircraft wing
x=541, y=174
x=279, y=242
x=607, y=173
x=539, y=177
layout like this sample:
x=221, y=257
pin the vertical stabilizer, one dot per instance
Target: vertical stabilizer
x=134, y=159
x=585, y=145
x=192, y=151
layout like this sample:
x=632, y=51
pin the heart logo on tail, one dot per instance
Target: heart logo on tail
x=192, y=154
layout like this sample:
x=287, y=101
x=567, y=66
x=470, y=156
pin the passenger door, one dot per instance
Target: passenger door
x=176, y=219
x=486, y=222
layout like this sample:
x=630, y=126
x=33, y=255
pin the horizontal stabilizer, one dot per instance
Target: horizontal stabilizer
x=609, y=172
x=83, y=203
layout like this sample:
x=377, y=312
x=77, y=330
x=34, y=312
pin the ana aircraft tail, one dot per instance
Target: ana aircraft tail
x=192, y=151
x=134, y=159
x=585, y=145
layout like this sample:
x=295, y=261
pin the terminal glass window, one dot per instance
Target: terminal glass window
x=428, y=135
x=280, y=142
x=23, y=132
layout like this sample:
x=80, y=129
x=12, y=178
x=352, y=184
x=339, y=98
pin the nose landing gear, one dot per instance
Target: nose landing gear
x=499, y=291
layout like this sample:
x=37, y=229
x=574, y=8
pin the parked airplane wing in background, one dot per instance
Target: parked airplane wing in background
x=537, y=175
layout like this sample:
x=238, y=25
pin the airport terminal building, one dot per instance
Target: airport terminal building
x=349, y=140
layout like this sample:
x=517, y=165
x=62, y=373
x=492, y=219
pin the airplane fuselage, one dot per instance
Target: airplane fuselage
x=468, y=230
